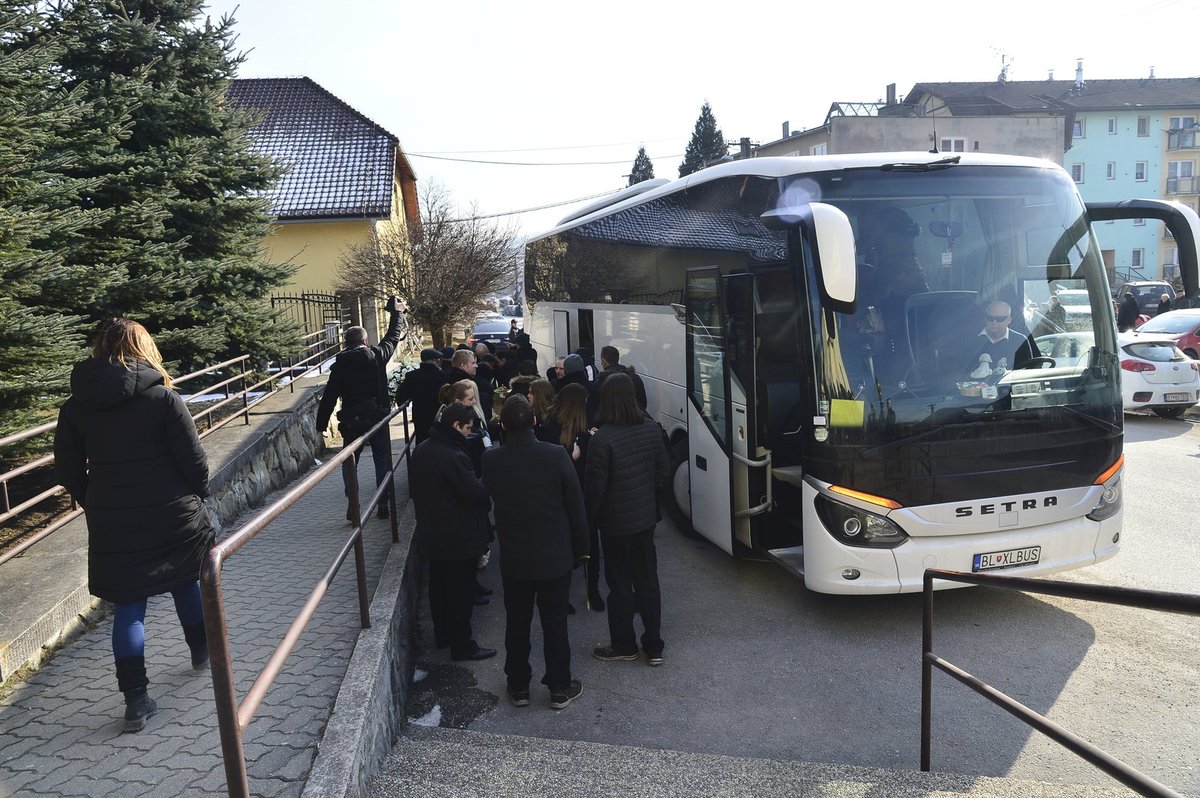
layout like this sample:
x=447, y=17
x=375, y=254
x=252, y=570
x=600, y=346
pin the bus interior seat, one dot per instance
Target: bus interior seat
x=941, y=326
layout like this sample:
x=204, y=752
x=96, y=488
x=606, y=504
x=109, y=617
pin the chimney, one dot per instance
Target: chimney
x=1079, y=84
x=786, y=128
x=743, y=147
x=1051, y=75
x=891, y=94
x=1151, y=73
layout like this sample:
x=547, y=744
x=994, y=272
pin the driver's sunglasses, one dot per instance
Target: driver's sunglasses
x=997, y=319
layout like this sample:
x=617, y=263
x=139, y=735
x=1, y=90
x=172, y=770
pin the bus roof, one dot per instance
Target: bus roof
x=785, y=166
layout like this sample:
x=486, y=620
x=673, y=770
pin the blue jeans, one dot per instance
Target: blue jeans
x=381, y=455
x=129, y=620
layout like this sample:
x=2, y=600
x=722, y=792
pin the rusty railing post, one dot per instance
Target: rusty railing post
x=221, y=664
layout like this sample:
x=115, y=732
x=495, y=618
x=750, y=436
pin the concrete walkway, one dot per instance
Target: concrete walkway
x=60, y=730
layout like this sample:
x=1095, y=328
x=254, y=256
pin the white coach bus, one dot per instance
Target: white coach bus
x=826, y=342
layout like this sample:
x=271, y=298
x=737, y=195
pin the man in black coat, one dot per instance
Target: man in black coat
x=451, y=508
x=542, y=526
x=1127, y=314
x=359, y=378
x=420, y=386
x=610, y=363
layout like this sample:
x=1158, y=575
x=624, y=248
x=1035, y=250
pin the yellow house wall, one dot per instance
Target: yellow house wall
x=315, y=248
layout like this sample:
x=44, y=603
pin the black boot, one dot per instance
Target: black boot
x=138, y=708
x=197, y=641
x=591, y=574
x=132, y=681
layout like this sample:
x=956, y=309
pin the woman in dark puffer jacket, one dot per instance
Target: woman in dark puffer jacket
x=126, y=449
x=627, y=461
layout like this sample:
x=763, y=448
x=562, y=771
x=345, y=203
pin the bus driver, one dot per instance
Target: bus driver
x=1000, y=349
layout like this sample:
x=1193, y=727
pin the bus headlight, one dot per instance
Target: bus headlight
x=1110, y=501
x=855, y=527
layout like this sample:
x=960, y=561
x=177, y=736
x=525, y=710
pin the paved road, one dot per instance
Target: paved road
x=757, y=666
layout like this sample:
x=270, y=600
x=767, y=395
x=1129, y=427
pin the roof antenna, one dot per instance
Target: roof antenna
x=934, y=150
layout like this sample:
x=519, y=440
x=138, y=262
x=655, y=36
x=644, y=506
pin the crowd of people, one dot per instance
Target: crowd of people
x=561, y=470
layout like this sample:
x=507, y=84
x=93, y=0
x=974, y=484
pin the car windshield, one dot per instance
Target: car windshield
x=492, y=327
x=1171, y=323
x=1155, y=351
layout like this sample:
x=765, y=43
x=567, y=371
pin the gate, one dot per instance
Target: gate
x=311, y=311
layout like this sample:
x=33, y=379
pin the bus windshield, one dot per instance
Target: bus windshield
x=984, y=329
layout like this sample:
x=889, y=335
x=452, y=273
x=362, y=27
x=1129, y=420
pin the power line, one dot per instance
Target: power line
x=548, y=149
x=538, y=208
x=530, y=163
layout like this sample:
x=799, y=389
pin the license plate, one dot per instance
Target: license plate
x=1177, y=397
x=1006, y=559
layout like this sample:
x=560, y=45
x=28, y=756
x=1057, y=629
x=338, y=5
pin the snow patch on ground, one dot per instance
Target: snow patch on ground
x=432, y=718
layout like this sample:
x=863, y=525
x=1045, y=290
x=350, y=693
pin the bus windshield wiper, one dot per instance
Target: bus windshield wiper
x=1095, y=422
x=944, y=163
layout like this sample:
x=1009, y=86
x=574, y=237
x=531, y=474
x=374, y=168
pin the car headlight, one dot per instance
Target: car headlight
x=1110, y=500
x=855, y=527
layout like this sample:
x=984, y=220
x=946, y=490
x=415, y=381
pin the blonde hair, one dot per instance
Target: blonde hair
x=457, y=391
x=124, y=341
x=541, y=396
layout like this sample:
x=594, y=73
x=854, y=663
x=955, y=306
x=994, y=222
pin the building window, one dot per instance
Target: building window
x=819, y=149
x=1182, y=122
x=1179, y=177
x=1112, y=126
x=1139, y=222
x=1077, y=172
x=1139, y=171
x=955, y=144
x=1077, y=131
x=1136, y=261
x=1111, y=171
x=1143, y=126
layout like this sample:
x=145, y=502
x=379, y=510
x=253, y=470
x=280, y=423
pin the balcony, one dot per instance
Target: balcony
x=1183, y=185
x=1182, y=139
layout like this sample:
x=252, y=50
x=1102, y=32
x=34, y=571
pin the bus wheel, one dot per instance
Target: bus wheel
x=677, y=495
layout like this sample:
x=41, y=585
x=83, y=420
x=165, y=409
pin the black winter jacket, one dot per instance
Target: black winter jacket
x=625, y=467
x=450, y=502
x=540, y=519
x=126, y=449
x=420, y=386
x=358, y=377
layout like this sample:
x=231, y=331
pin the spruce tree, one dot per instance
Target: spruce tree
x=181, y=249
x=707, y=143
x=43, y=128
x=643, y=169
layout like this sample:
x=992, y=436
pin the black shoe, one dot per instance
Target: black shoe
x=519, y=698
x=482, y=601
x=200, y=659
x=595, y=603
x=560, y=697
x=137, y=710
x=607, y=654
x=654, y=659
x=381, y=511
x=472, y=656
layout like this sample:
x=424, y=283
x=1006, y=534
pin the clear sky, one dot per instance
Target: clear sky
x=580, y=83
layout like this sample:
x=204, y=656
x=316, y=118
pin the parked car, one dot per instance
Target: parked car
x=490, y=330
x=1156, y=375
x=1182, y=326
x=1147, y=293
x=1078, y=307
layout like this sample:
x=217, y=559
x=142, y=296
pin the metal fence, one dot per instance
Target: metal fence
x=1126, y=597
x=235, y=400
x=233, y=717
x=312, y=311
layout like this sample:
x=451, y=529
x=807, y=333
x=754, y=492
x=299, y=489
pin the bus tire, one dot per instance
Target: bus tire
x=677, y=492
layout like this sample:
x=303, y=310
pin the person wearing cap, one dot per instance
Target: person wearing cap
x=420, y=386
x=525, y=350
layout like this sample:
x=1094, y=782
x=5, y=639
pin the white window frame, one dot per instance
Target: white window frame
x=1183, y=122
x=953, y=144
x=1143, y=126
x=819, y=149
x=1139, y=222
x=1077, y=172
x=1079, y=131
x=1112, y=126
x=1137, y=258
x=1140, y=171
x=1111, y=172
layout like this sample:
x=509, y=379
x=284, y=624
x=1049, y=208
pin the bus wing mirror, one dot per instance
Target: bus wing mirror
x=831, y=240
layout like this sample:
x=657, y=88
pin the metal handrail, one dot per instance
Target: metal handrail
x=1161, y=601
x=233, y=717
x=320, y=346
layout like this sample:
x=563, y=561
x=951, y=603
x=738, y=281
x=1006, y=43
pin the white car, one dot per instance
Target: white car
x=1078, y=306
x=1156, y=375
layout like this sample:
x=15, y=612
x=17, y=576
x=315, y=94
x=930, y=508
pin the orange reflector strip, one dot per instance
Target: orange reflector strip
x=1107, y=475
x=866, y=497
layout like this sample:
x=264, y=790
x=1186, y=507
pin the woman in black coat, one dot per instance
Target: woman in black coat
x=126, y=449
x=451, y=507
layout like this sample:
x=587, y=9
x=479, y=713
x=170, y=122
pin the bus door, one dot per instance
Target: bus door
x=720, y=348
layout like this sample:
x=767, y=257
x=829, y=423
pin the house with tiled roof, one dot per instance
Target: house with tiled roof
x=1119, y=139
x=345, y=177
